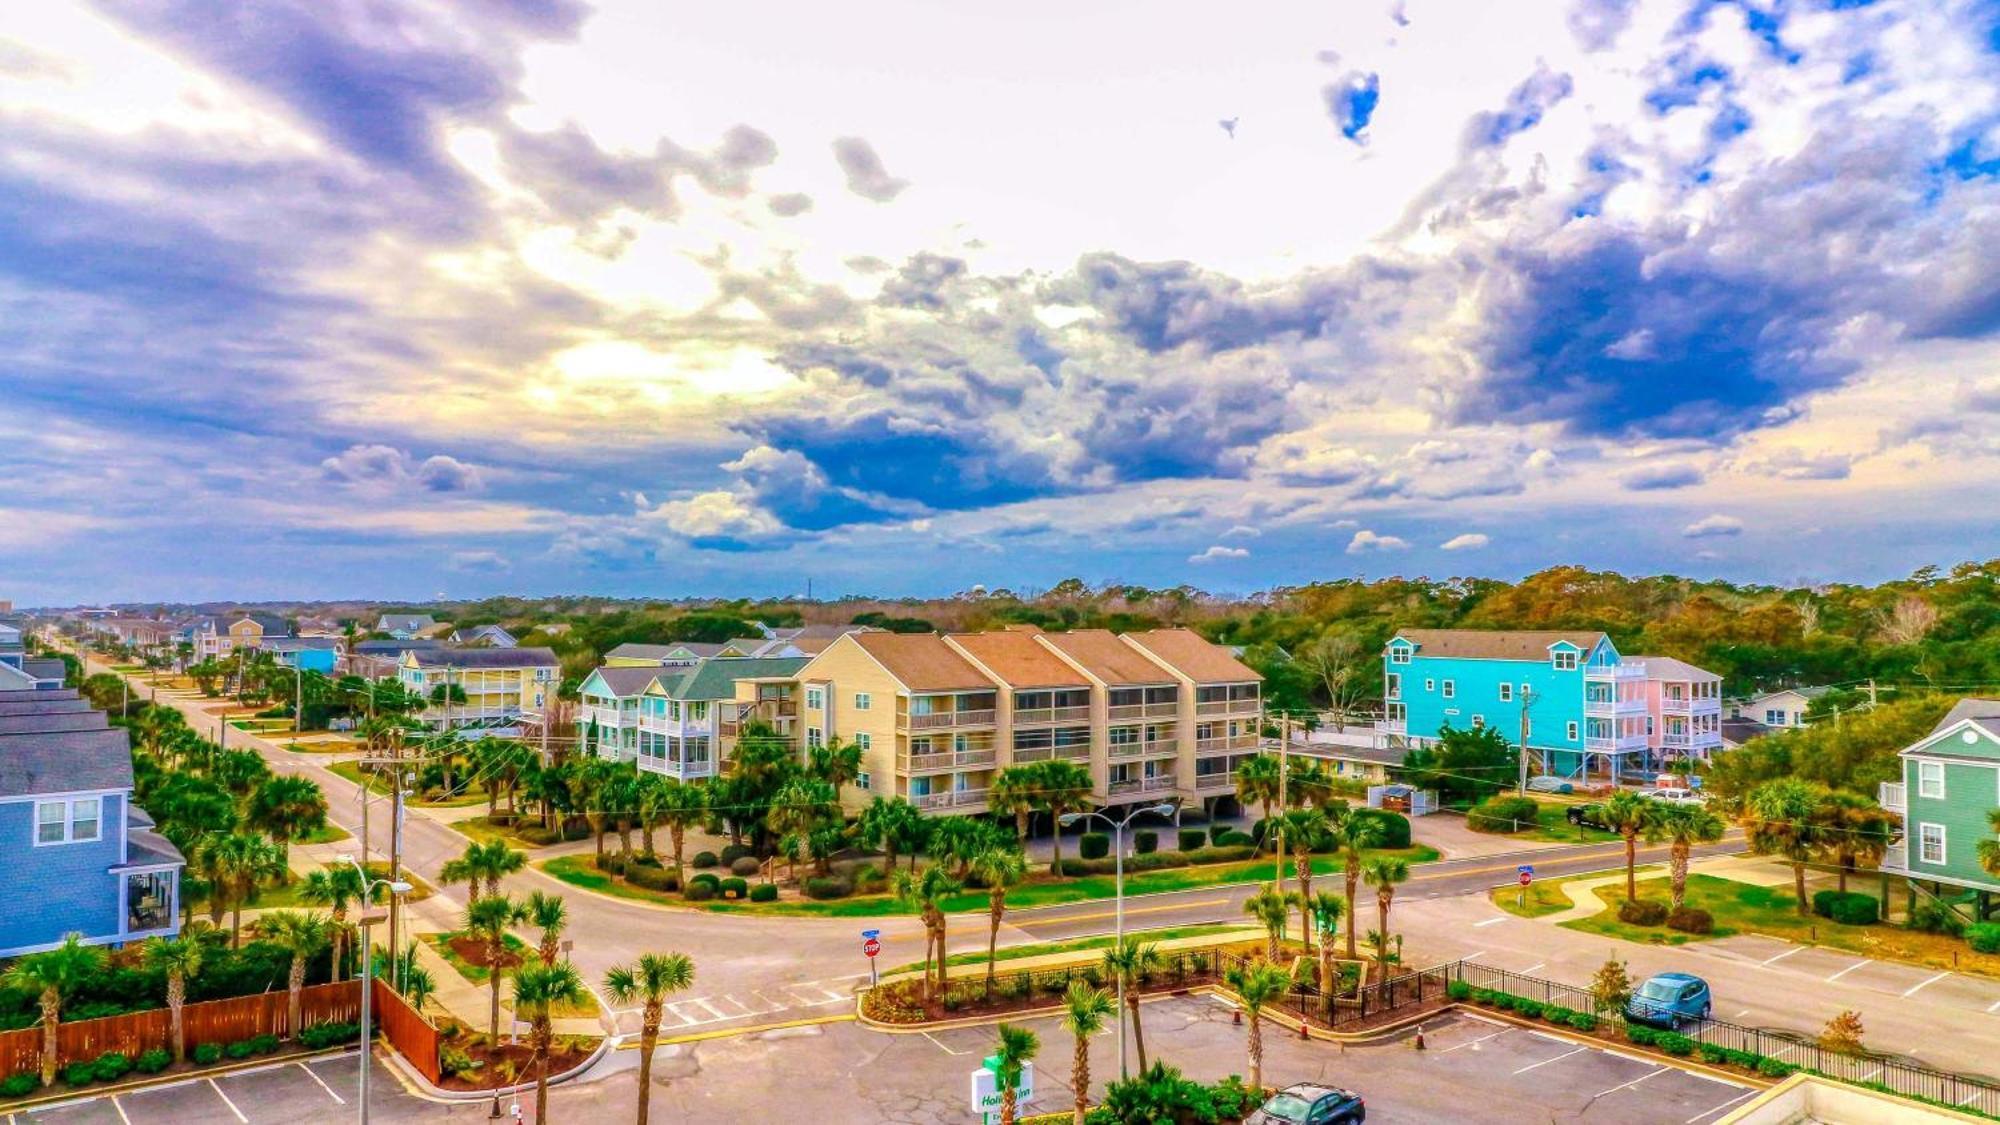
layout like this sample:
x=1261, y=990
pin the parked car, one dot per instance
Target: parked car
x=1590, y=816
x=1670, y=1000
x=1310, y=1103
x=1677, y=796
x=1549, y=783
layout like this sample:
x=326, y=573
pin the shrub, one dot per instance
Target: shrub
x=825, y=887
x=1849, y=908
x=653, y=878
x=1983, y=937
x=328, y=1035
x=764, y=892
x=704, y=859
x=612, y=862
x=153, y=1061
x=700, y=892
x=206, y=1053
x=80, y=1073
x=20, y=1085
x=1237, y=840
x=237, y=1050
x=1458, y=990
x=455, y=1061
x=1676, y=1044
x=745, y=865
x=732, y=852
x=1642, y=912
x=1775, y=1068
x=111, y=1066
x=1712, y=1052
x=1146, y=841
x=1017, y=987
x=1641, y=1034
x=734, y=887
x=1531, y=1009
x=1583, y=1021
x=1934, y=917
x=1393, y=828
x=1191, y=838
x=712, y=880
x=1689, y=920
x=1503, y=813
x=1218, y=834
x=1093, y=845
x=866, y=875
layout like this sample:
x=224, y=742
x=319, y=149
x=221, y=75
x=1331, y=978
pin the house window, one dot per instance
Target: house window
x=76, y=821
x=1395, y=685
x=863, y=781
x=1430, y=684
x=1930, y=843
x=1572, y=731
x=815, y=699
x=1399, y=656
x=1450, y=689
x=815, y=737
x=698, y=711
x=1565, y=661
x=1774, y=717
x=1930, y=780
x=861, y=701
x=1506, y=693
x=1478, y=722
x=862, y=740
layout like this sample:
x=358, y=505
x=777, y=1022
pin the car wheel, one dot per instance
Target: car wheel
x=1707, y=1010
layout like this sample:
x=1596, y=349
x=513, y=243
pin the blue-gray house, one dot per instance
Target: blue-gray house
x=78, y=857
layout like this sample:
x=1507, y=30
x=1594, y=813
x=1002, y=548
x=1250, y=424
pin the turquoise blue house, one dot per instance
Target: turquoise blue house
x=1568, y=696
x=308, y=654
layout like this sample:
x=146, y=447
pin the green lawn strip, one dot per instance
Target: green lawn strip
x=1541, y=898
x=325, y=746
x=1078, y=945
x=578, y=872
x=285, y=896
x=477, y=974
x=352, y=772
x=328, y=833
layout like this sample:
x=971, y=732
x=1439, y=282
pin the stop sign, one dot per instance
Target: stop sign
x=871, y=947
x=1526, y=878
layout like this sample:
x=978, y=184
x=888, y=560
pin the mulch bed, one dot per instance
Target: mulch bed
x=903, y=1002
x=474, y=953
x=567, y=1053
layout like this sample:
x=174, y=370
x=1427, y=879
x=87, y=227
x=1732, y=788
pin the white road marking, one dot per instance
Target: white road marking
x=1472, y=1042
x=1785, y=954
x=1994, y=1007
x=1491, y=922
x=227, y=1102
x=1533, y=967
x=120, y=1109
x=1545, y=1062
x=942, y=1047
x=1635, y=1081
x=718, y=1013
x=322, y=1084
x=1740, y=1014
x=1473, y=956
x=1849, y=969
x=1723, y=1106
x=1921, y=985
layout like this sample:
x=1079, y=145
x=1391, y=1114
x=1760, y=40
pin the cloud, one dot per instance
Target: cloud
x=717, y=520
x=790, y=203
x=478, y=562
x=1712, y=527
x=1351, y=101
x=1796, y=464
x=1242, y=531
x=866, y=176
x=1470, y=541
x=1667, y=475
x=387, y=466
x=1365, y=541
x=1218, y=553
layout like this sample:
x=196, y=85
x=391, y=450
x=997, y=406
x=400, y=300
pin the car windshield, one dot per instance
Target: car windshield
x=1660, y=990
x=1287, y=1107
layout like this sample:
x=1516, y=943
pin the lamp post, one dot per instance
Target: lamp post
x=396, y=888
x=1118, y=877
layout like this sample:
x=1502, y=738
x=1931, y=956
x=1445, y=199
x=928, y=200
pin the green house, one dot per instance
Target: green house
x=1951, y=782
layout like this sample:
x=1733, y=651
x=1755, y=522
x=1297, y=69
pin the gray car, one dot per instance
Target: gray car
x=1310, y=1103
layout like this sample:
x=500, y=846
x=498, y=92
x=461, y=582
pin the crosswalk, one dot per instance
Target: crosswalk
x=774, y=1001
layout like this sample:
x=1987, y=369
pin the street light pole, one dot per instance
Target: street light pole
x=1118, y=894
x=397, y=889
x=1527, y=699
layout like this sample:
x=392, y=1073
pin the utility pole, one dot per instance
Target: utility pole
x=1871, y=693
x=299, y=699
x=1284, y=772
x=124, y=697
x=1527, y=697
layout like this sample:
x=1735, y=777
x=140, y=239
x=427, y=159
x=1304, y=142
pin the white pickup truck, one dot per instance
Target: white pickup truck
x=1677, y=796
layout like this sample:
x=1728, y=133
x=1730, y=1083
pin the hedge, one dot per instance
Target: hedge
x=1983, y=937
x=1503, y=813
x=1849, y=908
x=1642, y=912
x=653, y=878
x=1146, y=842
x=764, y=892
x=1192, y=838
x=1689, y=920
x=1093, y=845
x=1394, y=827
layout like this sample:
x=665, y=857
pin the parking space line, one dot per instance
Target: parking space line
x=1994, y=1007
x=1921, y=985
x=1533, y=967
x=1473, y=956
x=120, y=1109
x=1545, y=1062
x=1785, y=954
x=322, y=1084
x=227, y=1102
x=1723, y=1106
x=1490, y=922
x=1473, y=1042
x=1634, y=1082
x=1849, y=969
x=942, y=1047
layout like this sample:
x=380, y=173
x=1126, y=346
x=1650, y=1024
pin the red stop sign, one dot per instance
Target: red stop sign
x=1526, y=878
x=871, y=947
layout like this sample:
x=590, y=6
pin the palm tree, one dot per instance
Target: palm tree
x=1383, y=873
x=648, y=981
x=549, y=914
x=594, y=783
x=804, y=806
x=679, y=805
x=179, y=960
x=1327, y=909
x=1631, y=815
x=1014, y=792
x=1685, y=826
x=1989, y=849
x=53, y=975
x=1351, y=832
x=538, y=990
x=481, y=867
x=336, y=888
x=1017, y=1046
x=1084, y=1011
x=489, y=919
x=896, y=826
x=238, y=863
x=1781, y=819
x=925, y=891
x=1065, y=789
x=1259, y=780
x=1305, y=829
x=1256, y=984
x=1131, y=961
x=999, y=867
x=304, y=936
x=1272, y=908
x=618, y=796
x=1856, y=830
x=836, y=764
x=1309, y=784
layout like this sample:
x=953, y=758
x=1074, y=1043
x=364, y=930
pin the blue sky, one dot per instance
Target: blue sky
x=331, y=298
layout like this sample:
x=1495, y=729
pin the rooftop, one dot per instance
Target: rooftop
x=1497, y=644
x=1984, y=713
x=716, y=678
x=67, y=762
x=922, y=661
x=1194, y=656
x=1019, y=660
x=485, y=658
x=626, y=682
x=53, y=722
x=1108, y=658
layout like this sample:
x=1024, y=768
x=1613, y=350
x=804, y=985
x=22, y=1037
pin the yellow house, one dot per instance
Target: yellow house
x=499, y=685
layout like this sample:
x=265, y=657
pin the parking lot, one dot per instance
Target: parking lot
x=1935, y=987
x=322, y=1089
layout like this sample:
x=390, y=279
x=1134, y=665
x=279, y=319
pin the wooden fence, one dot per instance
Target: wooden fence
x=413, y=1036
x=211, y=1021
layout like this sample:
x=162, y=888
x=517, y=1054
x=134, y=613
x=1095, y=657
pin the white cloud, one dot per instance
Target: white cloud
x=1470, y=541
x=1365, y=541
x=1242, y=531
x=1219, y=552
x=479, y=562
x=1711, y=527
x=715, y=515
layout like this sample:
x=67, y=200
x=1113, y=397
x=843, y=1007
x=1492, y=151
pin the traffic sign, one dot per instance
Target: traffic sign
x=870, y=947
x=871, y=933
x=1526, y=869
x=1527, y=877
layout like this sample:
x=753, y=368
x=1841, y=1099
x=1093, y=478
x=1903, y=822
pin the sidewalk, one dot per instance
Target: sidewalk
x=1064, y=958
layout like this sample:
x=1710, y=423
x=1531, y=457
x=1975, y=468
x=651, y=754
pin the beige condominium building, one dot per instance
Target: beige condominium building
x=1151, y=715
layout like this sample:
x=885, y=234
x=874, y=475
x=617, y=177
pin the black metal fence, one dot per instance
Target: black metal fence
x=1364, y=1002
x=1791, y=1048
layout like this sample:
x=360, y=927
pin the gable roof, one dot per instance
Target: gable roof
x=14, y=679
x=1195, y=657
x=45, y=668
x=1984, y=713
x=1108, y=658
x=695, y=650
x=922, y=661
x=53, y=722
x=1668, y=668
x=484, y=657
x=69, y=762
x=38, y=695
x=394, y=647
x=1019, y=660
x=13, y=705
x=716, y=678
x=623, y=683
x=1497, y=644
x=407, y=622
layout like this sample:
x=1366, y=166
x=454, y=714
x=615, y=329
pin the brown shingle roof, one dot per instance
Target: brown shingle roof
x=1108, y=658
x=922, y=661
x=1199, y=660
x=1016, y=658
x=1497, y=644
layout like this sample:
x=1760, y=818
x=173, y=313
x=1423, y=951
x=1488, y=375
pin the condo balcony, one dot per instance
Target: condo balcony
x=1692, y=739
x=1690, y=705
x=1606, y=708
x=1079, y=752
x=1158, y=784
x=1890, y=795
x=1391, y=726
x=1215, y=782
x=1248, y=740
x=947, y=760
x=1029, y=715
x=953, y=800
x=946, y=720
x=1151, y=748
x=1615, y=672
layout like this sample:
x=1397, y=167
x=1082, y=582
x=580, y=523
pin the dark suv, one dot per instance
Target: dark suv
x=1310, y=1103
x=1589, y=816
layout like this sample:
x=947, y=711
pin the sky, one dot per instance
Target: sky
x=395, y=299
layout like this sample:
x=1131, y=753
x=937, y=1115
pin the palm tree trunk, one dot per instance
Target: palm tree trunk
x=1256, y=1052
x=236, y=924
x=1007, y=1106
x=1080, y=1079
x=1631, y=867
x=1303, y=865
x=294, y=986
x=493, y=983
x=1353, y=874
x=1382, y=951
x=1677, y=863
x=1138, y=1032
x=1799, y=886
x=542, y=1077
x=943, y=967
x=176, y=997
x=649, y=1038
x=679, y=834
x=1055, y=842
x=51, y=1019
x=993, y=940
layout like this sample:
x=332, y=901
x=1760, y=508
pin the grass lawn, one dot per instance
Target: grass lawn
x=1552, y=826
x=578, y=872
x=1542, y=898
x=285, y=896
x=328, y=833
x=352, y=772
x=326, y=746
x=1101, y=941
x=475, y=973
x=479, y=828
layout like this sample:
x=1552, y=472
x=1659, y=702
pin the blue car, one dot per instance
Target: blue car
x=1670, y=1000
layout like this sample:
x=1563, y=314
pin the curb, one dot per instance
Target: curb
x=1283, y=1019
x=631, y=1043
x=1633, y=1049
x=423, y=1087
x=119, y=1089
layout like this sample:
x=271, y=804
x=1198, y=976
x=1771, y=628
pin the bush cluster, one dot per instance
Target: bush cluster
x=745, y=865
x=1503, y=813
x=1933, y=917
x=653, y=878
x=328, y=1035
x=1392, y=828
x=825, y=887
x=153, y=1061
x=732, y=852
x=1849, y=908
x=700, y=892
x=704, y=859
x=20, y=1085
x=1093, y=845
x=764, y=892
x=1146, y=841
x=1642, y=912
x=1983, y=937
x=206, y=1053
x=707, y=879
x=1155, y=861
x=1522, y=1006
x=1192, y=838
x=733, y=887
x=1689, y=920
